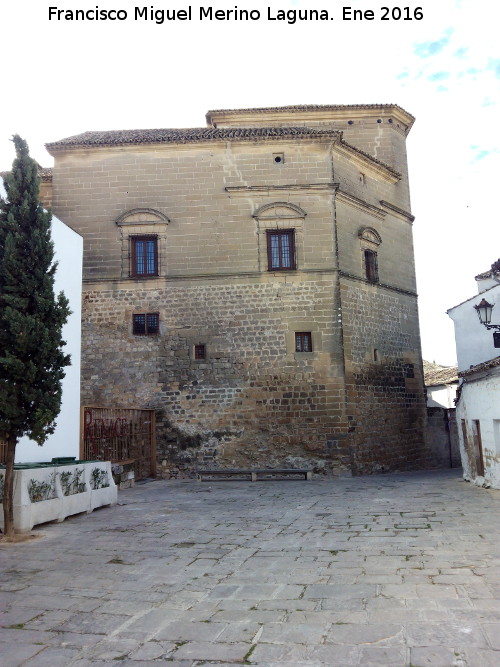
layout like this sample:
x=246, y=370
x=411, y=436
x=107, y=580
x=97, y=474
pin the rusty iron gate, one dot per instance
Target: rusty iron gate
x=120, y=435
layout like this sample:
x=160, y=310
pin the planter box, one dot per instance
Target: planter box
x=93, y=480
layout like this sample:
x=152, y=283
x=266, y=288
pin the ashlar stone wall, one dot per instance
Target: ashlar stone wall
x=253, y=399
x=352, y=405
x=384, y=380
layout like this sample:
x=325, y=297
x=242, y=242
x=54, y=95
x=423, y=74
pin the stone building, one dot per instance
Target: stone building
x=253, y=281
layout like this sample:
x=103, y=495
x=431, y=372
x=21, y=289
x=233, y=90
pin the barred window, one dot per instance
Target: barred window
x=144, y=256
x=281, y=250
x=146, y=324
x=303, y=341
x=200, y=352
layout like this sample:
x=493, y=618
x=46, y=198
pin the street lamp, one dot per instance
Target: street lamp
x=483, y=310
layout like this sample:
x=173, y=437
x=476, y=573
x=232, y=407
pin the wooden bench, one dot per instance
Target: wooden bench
x=263, y=474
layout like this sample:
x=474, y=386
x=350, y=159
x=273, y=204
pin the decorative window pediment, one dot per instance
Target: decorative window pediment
x=280, y=211
x=143, y=234
x=370, y=237
x=280, y=232
x=142, y=216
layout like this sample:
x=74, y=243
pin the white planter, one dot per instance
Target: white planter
x=28, y=514
x=105, y=495
x=75, y=502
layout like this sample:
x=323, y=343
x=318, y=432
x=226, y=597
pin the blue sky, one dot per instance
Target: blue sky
x=63, y=78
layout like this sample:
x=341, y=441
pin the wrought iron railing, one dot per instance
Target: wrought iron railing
x=119, y=435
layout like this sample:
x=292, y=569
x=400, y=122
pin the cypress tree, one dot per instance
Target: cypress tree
x=32, y=360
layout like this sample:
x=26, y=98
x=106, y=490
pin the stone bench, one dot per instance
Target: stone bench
x=260, y=475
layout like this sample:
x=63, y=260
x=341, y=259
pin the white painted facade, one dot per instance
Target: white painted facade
x=474, y=342
x=64, y=441
x=478, y=406
x=478, y=420
x=442, y=396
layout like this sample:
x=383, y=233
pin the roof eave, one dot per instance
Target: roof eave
x=318, y=112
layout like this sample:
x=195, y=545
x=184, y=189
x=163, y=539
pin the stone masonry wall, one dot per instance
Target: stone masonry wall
x=384, y=382
x=355, y=404
x=254, y=400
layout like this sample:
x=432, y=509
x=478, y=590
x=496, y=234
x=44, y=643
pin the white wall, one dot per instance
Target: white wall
x=442, y=396
x=65, y=440
x=480, y=400
x=474, y=342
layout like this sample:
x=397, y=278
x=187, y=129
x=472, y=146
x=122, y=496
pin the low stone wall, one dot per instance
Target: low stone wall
x=124, y=474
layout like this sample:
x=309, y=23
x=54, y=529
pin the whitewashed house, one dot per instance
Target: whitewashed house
x=64, y=442
x=478, y=399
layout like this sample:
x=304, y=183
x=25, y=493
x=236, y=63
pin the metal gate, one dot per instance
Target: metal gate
x=120, y=435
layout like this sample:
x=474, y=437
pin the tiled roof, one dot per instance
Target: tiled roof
x=197, y=134
x=494, y=271
x=187, y=135
x=486, y=365
x=434, y=374
x=45, y=173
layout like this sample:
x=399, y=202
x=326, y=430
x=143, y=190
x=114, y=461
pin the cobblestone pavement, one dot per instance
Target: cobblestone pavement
x=385, y=570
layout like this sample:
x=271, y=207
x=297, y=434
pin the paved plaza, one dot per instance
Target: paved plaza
x=387, y=570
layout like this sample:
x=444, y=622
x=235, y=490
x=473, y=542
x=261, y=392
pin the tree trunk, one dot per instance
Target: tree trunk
x=8, y=488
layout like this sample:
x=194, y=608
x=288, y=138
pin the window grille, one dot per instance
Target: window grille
x=303, y=341
x=200, y=352
x=281, y=250
x=146, y=324
x=144, y=255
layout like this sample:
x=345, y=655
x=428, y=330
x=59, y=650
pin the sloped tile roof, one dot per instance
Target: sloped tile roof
x=493, y=272
x=202, y=134
x=45, y=173
x=187, y=135
x=434, y=374
x=484, y=366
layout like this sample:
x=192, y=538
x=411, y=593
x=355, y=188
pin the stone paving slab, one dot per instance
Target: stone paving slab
x=399, y=570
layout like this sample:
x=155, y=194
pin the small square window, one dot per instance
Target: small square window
x=146, y=324
x=281, y=250
x=303, y=341
x=144, y=256
x=200, y=352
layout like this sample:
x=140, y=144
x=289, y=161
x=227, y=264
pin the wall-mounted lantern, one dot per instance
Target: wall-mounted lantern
x=483, y=310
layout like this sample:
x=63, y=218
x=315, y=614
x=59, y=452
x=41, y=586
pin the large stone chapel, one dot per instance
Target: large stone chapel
x=253, y=282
